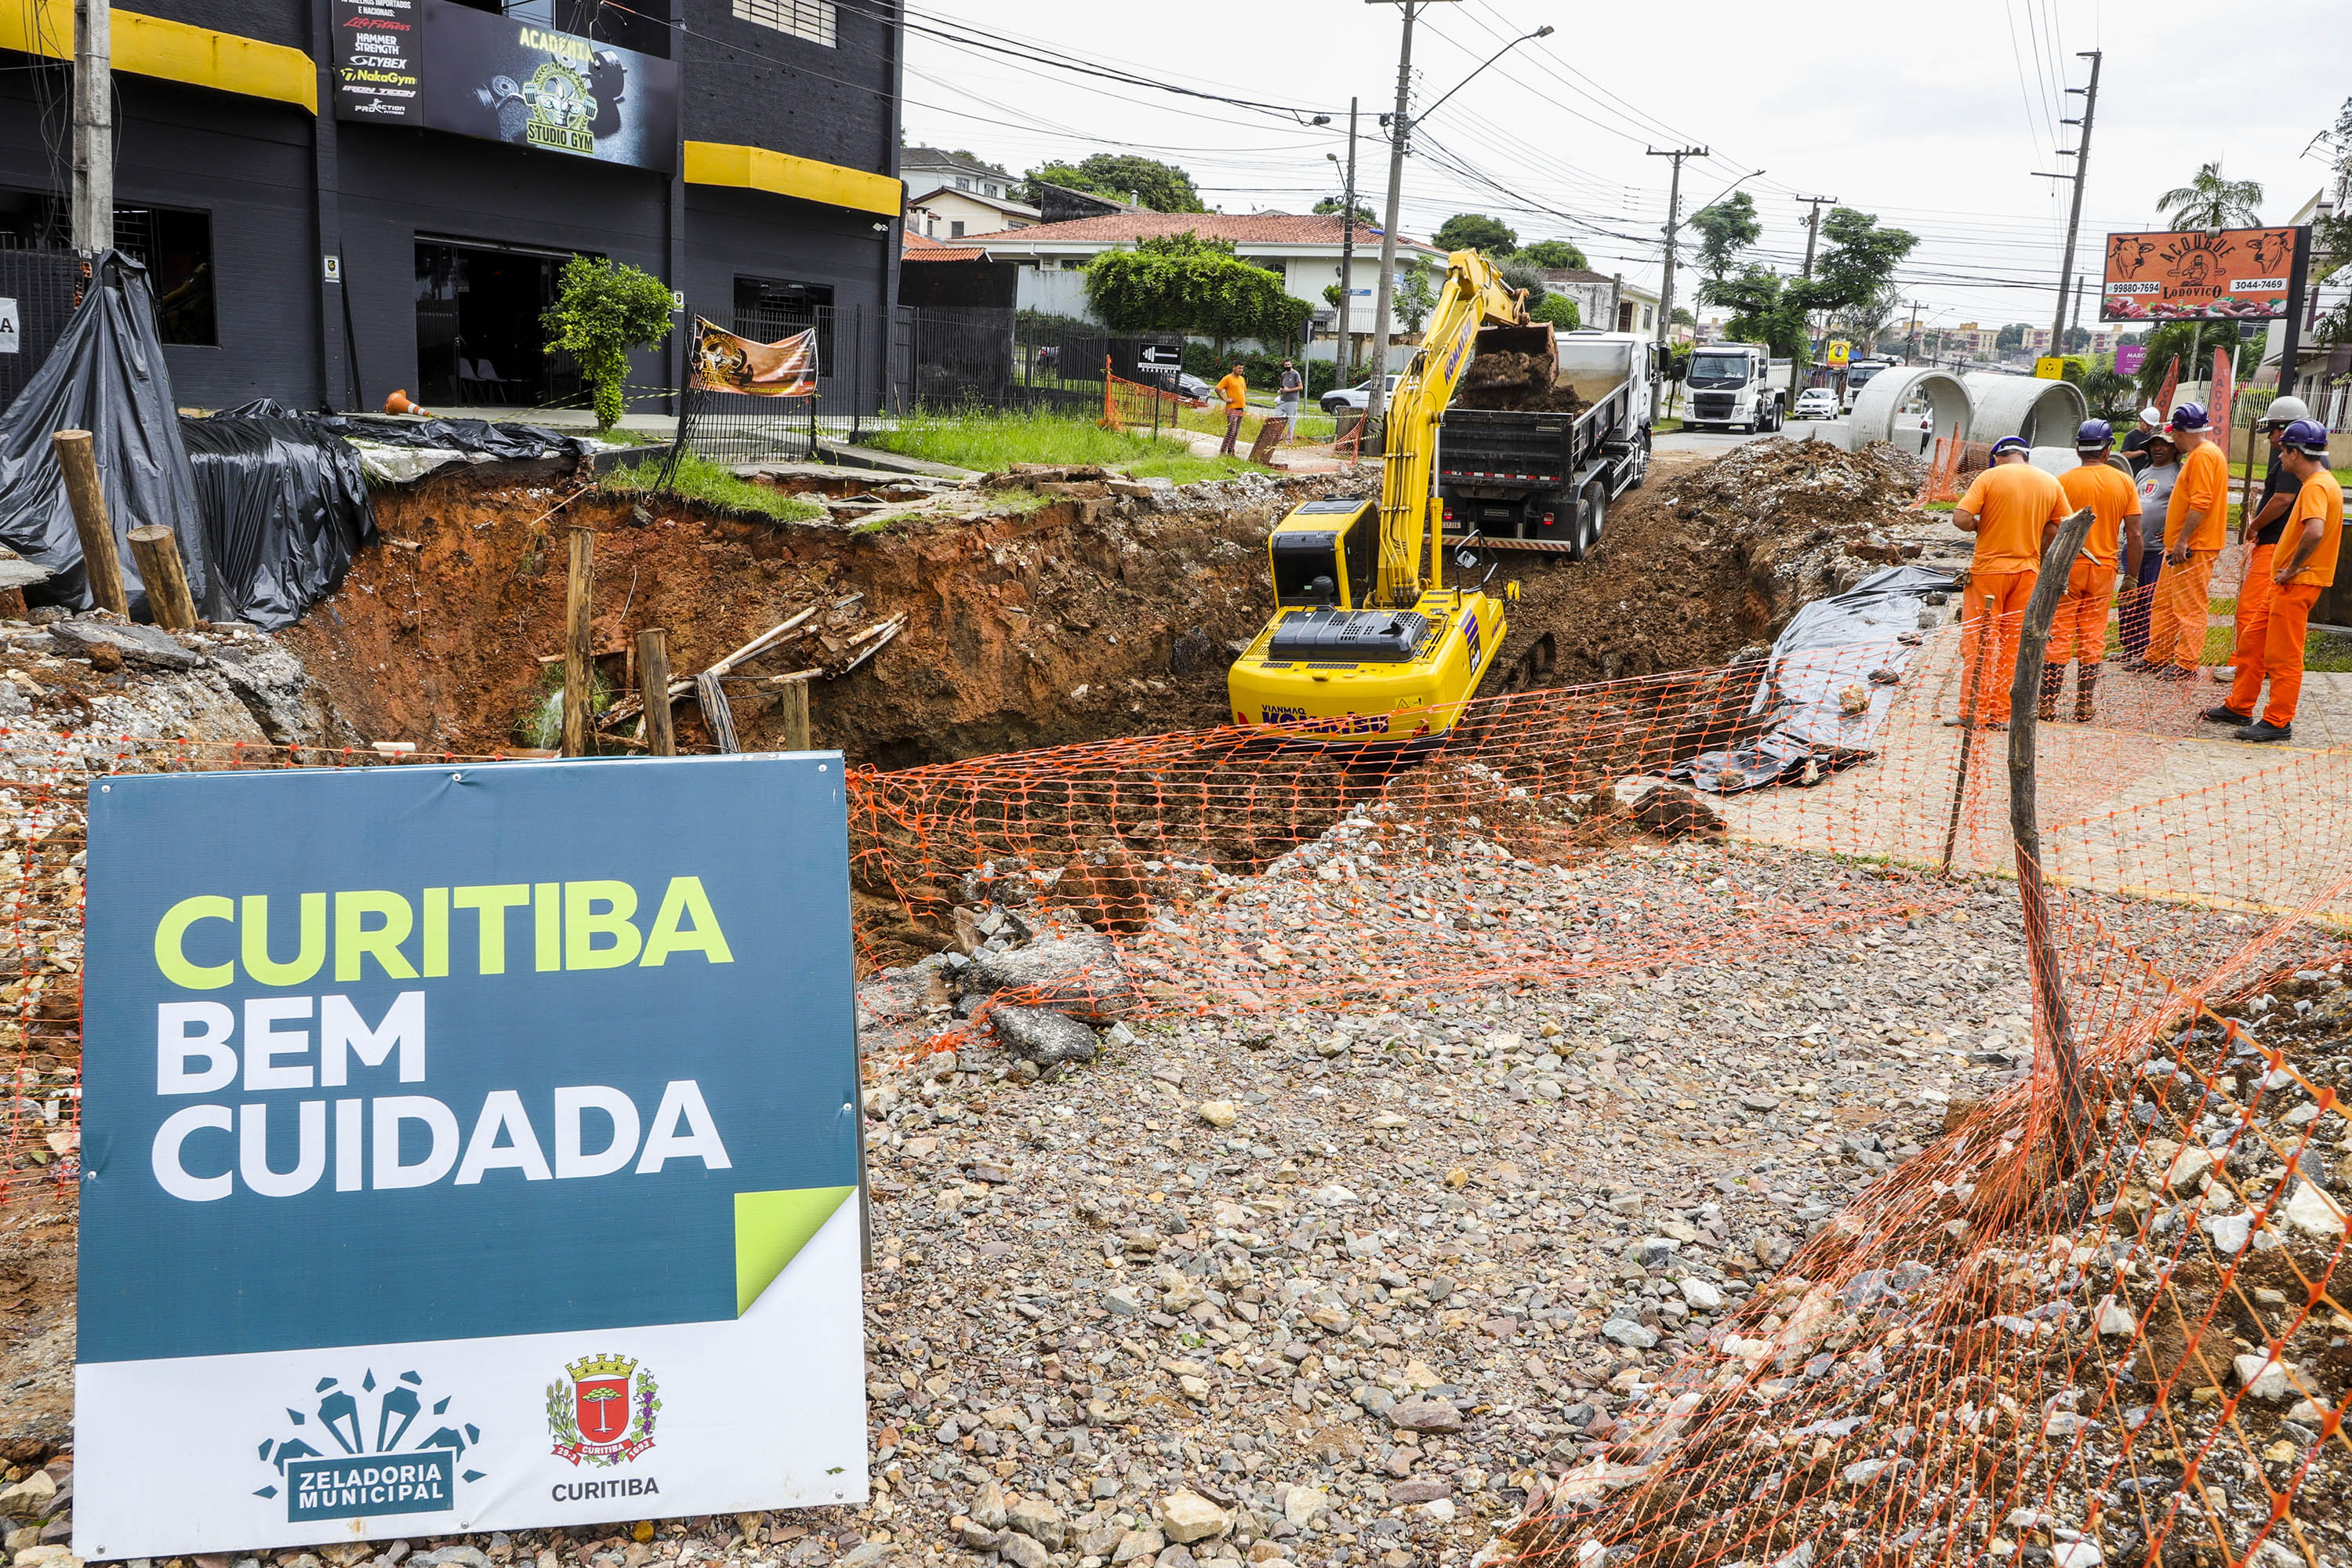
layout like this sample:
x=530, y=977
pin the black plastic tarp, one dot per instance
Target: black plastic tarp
x=107, y=376
x=478, y=438
x=285, y=508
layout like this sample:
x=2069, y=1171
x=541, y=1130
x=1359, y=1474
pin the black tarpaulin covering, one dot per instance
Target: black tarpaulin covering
x=107, y=376
x=285, y=508
x=479, y=437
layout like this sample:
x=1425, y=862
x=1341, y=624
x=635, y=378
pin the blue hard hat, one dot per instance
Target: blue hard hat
x=2309, y=436
x=2011, y=444
x=2092, y=435
x=2190, y=417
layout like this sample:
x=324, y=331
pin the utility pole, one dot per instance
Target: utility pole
x=1911, y=339
x=1796, y=361
x=1673, y=228
x=1399, y=127
x=1346, y=350
x=92, y=198
x=2081, y=154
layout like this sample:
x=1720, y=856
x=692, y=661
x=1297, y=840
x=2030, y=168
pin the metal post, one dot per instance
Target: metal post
x=93, y=127
x=2041, y=946
x=2298, y=278
x=1673, y=227
x=1400, y=127
x=2082, y=150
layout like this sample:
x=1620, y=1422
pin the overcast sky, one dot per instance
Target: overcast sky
x=1933, y=116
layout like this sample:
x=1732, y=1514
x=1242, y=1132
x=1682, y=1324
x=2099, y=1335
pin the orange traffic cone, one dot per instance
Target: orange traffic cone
x=398, y=404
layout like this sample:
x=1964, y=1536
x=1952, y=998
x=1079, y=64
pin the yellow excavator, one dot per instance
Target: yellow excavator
x=1366, y=641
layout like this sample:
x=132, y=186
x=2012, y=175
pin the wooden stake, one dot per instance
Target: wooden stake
x=796, y=716
x=1987, y=642
x=579, y=668
x=157, y=551
x=653, y=691
x=77, y=461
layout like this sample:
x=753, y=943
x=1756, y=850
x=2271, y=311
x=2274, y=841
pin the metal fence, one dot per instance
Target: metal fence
x=874, y=367
x=41, y=288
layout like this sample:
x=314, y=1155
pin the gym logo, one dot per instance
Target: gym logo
x=373, y=1467
x=603, y=1410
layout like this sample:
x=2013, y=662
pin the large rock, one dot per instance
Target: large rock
x=1049, y=1039
x=1186, y=1517
x=275, y=689
x=1081, y=975
x=1038, y=1519
x=1426, y=1416
x=141, y=645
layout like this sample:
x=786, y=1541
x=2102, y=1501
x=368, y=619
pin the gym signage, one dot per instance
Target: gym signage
x=441, y=65
x=420, y=1129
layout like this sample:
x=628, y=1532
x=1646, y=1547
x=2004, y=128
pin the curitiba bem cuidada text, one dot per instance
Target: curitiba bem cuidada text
x=348, y=1087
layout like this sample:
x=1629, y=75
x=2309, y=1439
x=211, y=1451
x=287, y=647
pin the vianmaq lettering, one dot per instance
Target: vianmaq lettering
x=593, y=1492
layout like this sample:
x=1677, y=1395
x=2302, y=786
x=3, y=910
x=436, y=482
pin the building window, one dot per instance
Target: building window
x=810, y=19
x=768, y=308
x=955, y=229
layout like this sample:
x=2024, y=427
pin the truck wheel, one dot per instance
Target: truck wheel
x=1592, y=511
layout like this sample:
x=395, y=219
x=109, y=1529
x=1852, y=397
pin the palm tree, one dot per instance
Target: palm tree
x=2208, y=201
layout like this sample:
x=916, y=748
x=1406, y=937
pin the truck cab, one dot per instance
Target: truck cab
x=1732, y=387
x=1857, y=376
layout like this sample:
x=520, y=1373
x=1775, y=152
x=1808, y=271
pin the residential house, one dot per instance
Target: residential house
x=951, y=195
x=1606, y=301
x=335, y=198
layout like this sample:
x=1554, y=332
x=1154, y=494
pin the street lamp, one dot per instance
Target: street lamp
x=1399, y=133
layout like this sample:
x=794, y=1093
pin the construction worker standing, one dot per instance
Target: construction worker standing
x=2302, y=568
x=2013, y=509
x=1234, y=390
x=2258, y=535
x=2196, y=524
x=2079, y=635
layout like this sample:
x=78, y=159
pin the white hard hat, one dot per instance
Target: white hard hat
x=2151, y=415
x=2285, y=411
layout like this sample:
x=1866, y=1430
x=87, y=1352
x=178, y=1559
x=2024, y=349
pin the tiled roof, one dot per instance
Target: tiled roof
x=1241, y=228
x=923, y=247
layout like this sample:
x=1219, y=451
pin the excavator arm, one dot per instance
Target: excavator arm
x=1474, y=296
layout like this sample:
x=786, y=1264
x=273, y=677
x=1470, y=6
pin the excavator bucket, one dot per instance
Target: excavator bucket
x=1538, y=339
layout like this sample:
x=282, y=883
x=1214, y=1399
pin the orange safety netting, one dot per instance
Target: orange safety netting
x=1134, y=405
x=2099, y=1322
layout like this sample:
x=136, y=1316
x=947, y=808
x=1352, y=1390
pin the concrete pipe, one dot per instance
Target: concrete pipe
x=2046, y=413
x=1887, y=407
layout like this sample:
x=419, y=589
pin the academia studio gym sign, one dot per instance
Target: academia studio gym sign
x=437, y=66
x=465, y=1148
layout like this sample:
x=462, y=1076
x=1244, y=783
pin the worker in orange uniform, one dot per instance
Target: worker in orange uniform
x=2258, y=535
x=2196, y=524
x=2079, y=635
x=1234, y=390
x=2304, y=567
x=2013, y=509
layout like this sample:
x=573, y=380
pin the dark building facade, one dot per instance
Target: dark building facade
x=326, y=247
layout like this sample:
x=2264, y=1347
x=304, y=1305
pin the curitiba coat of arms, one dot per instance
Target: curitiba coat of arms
x=603, y=1410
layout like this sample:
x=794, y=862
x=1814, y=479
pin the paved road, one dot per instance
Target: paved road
x=1713, y=443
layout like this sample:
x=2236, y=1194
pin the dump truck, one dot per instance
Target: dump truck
x=1541, y=477
x=1735, y=387
x=1367, y=641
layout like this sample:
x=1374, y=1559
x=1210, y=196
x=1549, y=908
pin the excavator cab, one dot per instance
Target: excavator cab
x=1322, y=554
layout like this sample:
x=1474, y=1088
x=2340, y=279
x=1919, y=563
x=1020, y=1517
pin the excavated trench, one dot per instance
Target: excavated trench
x=1079, y=619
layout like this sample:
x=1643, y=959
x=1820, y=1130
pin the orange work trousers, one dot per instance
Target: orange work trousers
x=2254, y=619
x=2288, y=624
x=2183, y=596
x=2080, y=632
x=1988, y=656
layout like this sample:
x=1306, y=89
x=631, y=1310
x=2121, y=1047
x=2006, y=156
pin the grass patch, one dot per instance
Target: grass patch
x=1311, y=426
x=992, y=443
x=2327, y=651
x=714, y=484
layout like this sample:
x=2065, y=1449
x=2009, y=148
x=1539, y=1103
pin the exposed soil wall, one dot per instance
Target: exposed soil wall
x=1077, y=620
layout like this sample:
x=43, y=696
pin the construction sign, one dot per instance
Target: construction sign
x=476, y=1149
x=2051, y=367
x=2240, y=274
x=725, y=362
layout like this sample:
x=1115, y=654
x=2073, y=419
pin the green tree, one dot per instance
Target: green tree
x=2208, y=201
x=1184, y=283
x=2108, y=393
x=1162, y=187
x=602, y=310
x=1553, y=253
x=1725, y=231
x=1414, y=298
x=1331, y=207
x=1763, y=306
x=1857, y=261
x=1517, y=274
x=1475, y=231
x=2331, y=238
x=1560, y=311
x=2011, y=336
x=1682, y=318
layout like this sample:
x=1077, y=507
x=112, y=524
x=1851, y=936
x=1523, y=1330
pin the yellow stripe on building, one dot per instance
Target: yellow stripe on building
x=783, y=174
x=150, y=45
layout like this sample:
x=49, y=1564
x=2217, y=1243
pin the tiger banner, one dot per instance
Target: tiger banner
x=724, y=362
x=2237, y=274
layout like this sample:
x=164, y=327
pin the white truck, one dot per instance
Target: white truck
x=1857, y=376
x=1733, y=386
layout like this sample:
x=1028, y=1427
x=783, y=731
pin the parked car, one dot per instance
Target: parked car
x=1815, y=403
x=1359, y=397
x=1194, y=390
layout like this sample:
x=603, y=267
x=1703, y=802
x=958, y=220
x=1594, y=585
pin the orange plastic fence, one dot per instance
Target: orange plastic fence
x=1134, y=405
x=2101, y=1323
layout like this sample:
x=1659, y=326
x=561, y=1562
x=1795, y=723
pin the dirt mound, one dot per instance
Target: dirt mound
x=1073, y=620
x=1518, y=381
x=1696, y=567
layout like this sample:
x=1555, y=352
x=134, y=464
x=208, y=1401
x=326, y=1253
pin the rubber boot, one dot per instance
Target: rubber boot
x=2086, y=692
x=2054, y=678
